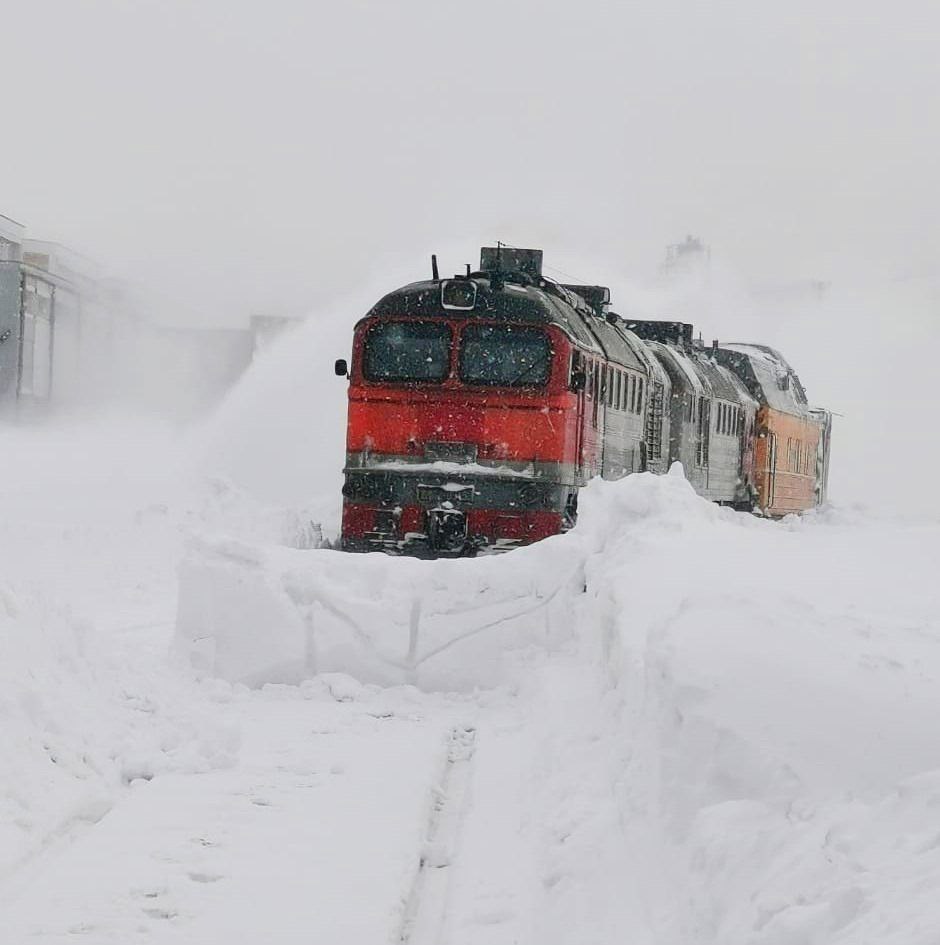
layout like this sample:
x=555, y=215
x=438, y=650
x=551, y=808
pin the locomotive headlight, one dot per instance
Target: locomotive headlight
x=458, y=294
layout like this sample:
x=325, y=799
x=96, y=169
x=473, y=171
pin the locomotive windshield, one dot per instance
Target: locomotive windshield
x=504, y=355
x=407, y=351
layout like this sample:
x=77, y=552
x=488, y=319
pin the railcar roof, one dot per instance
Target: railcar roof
x=703, y=375
x=768, y=375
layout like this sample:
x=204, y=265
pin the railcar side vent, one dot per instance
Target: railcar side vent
x=654, y=421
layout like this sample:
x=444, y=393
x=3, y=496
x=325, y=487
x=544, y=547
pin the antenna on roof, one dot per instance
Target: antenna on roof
x=496, y=276
x=435, y=275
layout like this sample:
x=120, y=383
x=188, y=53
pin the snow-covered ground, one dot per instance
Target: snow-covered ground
x=675, y=724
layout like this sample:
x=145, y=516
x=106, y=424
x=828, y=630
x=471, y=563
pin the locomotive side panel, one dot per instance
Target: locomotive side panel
x=690, y=412
x=624, y=428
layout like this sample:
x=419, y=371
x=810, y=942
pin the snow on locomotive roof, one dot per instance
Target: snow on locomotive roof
x=502, y=299
x=770, y=377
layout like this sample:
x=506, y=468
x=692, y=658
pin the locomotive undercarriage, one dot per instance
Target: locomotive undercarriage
x=450, y=514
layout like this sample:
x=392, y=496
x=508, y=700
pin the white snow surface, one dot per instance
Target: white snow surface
x=675, y=724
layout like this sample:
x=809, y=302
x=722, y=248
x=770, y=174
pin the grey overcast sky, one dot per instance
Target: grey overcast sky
x=259, y=155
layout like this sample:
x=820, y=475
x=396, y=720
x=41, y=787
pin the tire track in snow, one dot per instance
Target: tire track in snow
x=426, y=905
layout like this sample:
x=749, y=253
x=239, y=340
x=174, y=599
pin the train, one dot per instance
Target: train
x=479, y=405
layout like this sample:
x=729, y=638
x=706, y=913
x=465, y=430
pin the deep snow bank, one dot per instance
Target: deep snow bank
x=96, y=519
x=769, y=692
x=773, y=690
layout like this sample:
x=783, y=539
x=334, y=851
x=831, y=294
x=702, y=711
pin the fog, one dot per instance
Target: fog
x=253, y=155
x=234, y=158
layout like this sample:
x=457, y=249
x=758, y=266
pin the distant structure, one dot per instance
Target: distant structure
x=11, y=251
x=691, y=255
x=53, y=313
x=68, y=334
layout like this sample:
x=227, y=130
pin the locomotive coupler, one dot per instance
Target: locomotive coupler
x=447, y=529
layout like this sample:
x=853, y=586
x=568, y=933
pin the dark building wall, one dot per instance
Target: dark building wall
x=9, y=326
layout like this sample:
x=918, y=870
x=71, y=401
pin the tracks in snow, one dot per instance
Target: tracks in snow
x=426, y=906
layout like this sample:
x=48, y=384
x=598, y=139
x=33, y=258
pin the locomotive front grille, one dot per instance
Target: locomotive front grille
x=462, y=491
x=456, y=493
x=450, y=452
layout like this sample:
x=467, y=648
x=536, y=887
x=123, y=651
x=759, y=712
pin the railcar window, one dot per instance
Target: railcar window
x=639, y=397
x=505, y=355
x=610, y=387
x=407, y=351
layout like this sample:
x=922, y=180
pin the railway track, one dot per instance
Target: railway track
x=426, y=907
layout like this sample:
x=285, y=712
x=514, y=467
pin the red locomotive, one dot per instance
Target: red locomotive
x=480, y=404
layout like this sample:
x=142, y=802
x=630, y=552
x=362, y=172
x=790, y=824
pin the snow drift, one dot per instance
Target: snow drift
x=757, y=699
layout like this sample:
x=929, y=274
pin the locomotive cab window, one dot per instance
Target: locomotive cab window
x=505, y=356
x=407, y=351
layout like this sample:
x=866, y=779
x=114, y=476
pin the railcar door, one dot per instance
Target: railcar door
x=771, y=470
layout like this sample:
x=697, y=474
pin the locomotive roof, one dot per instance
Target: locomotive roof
x=546, y=303
x=735, y=372
x=505, y=301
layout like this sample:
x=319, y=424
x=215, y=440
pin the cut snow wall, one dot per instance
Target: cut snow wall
x=256, y=616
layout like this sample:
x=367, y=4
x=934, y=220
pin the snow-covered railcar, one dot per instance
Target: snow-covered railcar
x=791, y=450
x=480, y=404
